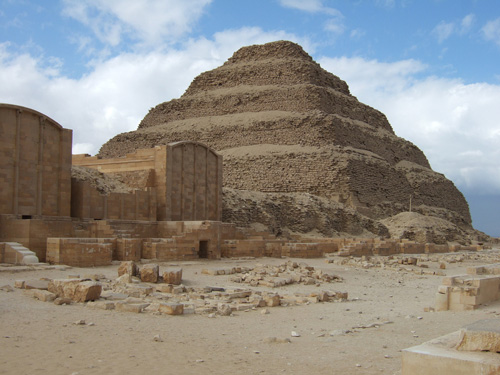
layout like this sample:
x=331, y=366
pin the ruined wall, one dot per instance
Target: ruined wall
x=35, y=163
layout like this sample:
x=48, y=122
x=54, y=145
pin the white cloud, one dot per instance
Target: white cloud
x=491, y=31
x=311, y=6
x=467, y=23
x=147, y=22
x=444, y=30
x=456, y=125
x=335, y=24
x=119, y=91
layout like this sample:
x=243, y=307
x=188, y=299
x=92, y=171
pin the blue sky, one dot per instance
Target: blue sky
x=432, y=66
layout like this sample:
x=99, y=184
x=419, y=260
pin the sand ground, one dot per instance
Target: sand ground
x=41, y=338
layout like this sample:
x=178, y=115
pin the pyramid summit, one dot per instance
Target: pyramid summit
x=291, y=133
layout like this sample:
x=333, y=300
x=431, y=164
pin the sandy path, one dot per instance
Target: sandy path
x=40, y=338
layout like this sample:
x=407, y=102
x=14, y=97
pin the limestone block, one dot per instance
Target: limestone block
x=171, y=308
x=480, y=336
x=129, y=268
x=224, y=309
x=439, y=356
x=43, y=295
x=75, y=289
x=130, y=307
x=101, y=305
x=272, y=300
x=19, y=284
x=87, y=291
x=124, y=279
x=173, y=276
x=150, y=273
x=36, y=284
x=63, y=301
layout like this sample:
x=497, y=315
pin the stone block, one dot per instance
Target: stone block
x=75, y=289
x=480, y=336
x=439, y=356
x=43, y=295
x=173, y=276
x=171, y=308
x=129, y=268
x=36, y=284
x=130, y=307
x=272, y=300
x=150, y=273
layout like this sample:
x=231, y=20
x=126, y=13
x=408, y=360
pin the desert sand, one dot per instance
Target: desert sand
x=384, y=314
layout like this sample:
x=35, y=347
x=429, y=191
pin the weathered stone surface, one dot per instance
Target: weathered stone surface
x=75, y=289
x=224, y=309
x=129, y=268
x=171, y=308
x=150, y=273
x=36, y=284
x=42, y=295
x=173, y=276
x=480, y=336
x=130, y=307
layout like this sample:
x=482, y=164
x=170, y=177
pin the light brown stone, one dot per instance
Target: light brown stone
x=150, y=273
x=173, y=276
x=171, y=308
x=129, y=268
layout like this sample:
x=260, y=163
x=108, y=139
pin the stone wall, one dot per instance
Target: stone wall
x=87, y=202
x=187, y=178
x=77, y=252
x=35, y=164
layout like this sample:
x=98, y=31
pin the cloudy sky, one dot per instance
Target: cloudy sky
x=432, y=66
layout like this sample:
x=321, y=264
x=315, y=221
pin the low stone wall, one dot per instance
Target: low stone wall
x=80, y=252
x=467, y=292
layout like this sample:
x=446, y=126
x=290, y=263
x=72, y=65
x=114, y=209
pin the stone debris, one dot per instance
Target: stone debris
x=150, y=273
x=129, y=294
x=129, y=268
x=420, y=264
x=6, y=288
x=76, y=289
x=173, y=276
x=276, y=276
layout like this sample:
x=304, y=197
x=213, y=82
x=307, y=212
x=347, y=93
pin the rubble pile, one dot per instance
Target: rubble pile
x=144, y=289
x=276, y=276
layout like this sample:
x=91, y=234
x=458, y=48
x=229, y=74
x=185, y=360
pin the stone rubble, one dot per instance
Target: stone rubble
x=276, y=276
x=137, y=295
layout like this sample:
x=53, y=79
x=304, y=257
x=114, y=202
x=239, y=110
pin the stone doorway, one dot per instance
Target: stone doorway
x=203, y=252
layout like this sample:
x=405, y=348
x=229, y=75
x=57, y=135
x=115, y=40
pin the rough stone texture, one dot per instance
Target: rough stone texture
x=35, y=166
x=171, y=308
x=150, y=273
x=286, y=126
x=76, y=289
x=173, y=276
x=440, y=356
x=480, y=336
x=128, y=267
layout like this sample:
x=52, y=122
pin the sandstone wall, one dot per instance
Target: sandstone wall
x=35, y=163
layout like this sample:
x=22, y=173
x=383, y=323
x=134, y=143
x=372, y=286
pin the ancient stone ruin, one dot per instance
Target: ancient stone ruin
x=301, y=154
